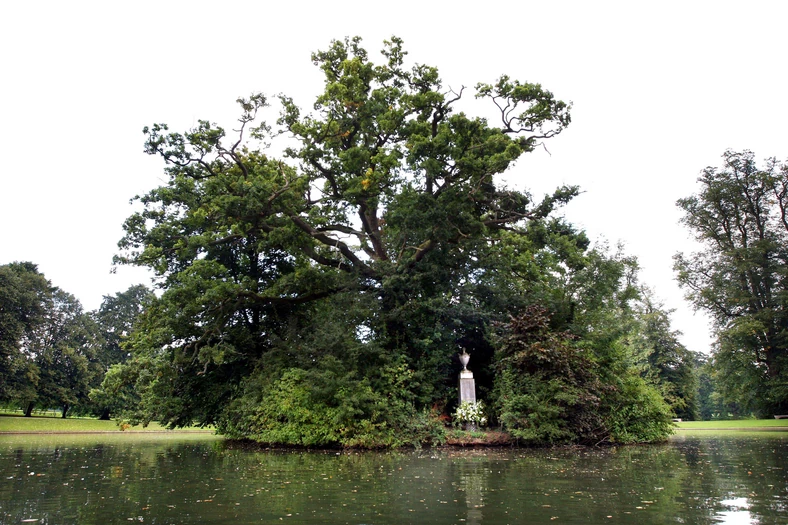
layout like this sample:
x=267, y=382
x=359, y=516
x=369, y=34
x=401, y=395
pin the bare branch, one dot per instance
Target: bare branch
x=335, y=243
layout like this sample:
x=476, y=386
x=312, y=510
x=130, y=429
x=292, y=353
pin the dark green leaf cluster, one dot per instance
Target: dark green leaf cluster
x=550, y=390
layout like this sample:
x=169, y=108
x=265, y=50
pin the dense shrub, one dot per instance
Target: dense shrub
x=330, y=406
x=549, y=392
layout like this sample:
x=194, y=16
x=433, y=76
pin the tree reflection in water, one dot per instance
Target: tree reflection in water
x=105, y=479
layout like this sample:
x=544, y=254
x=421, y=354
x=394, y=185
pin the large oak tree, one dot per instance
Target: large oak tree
x=319, y=298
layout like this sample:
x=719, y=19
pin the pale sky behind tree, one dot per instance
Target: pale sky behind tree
x=659, y=90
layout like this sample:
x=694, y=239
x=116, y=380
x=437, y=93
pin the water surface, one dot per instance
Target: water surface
x=735, y=478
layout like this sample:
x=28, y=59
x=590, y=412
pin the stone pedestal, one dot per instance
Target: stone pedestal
x=467, y=387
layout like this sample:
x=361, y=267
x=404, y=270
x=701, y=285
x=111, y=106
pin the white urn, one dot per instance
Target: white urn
x=464, y=358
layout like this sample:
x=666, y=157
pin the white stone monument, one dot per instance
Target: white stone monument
x=467, y=385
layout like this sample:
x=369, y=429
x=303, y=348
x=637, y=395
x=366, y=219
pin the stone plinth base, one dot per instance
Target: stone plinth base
x=467, y=387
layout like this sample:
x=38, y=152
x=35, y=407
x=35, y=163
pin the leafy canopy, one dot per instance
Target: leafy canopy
x=386, y=192
x=319, y=298
x=740, y=216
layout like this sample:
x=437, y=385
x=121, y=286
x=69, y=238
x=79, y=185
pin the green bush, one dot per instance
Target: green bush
x=548, y=391
x=637, y=413
x=330, y=406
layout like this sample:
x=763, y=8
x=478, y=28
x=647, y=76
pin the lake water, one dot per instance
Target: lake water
x=735, y=478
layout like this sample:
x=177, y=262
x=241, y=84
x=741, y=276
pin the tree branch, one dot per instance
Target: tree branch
x=335, y=243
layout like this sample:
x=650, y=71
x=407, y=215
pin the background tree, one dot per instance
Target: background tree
x=63, y=347
x=666, y=362
x=712, y=403
x=49, y=345
x=24, y=293
x=115, y=318
x=740, y=217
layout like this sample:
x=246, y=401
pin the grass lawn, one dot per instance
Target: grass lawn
x=741, y=424
x=18, y=423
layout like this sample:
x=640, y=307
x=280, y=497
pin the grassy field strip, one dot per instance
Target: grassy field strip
x=19, y=424
x=742, y=424
x=44, y=424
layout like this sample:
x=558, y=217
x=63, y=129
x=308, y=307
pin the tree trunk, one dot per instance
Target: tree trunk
x=65, y=411
x=29, y=410
x=104, y=415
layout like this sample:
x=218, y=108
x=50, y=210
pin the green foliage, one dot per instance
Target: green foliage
x=667, y=364
x=48, y=344
x=116, y=394
x=547, y=391
x=23, y=299
x=551, y=390
x=384, y=207
x=116, y=317
x=64, y=348
x=330, y=406
x=741, y=275
x=320, y=299
x=713, y=405
x=301, y=409
x=636, y=412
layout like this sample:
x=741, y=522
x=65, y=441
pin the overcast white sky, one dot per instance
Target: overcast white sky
x=660, y=90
